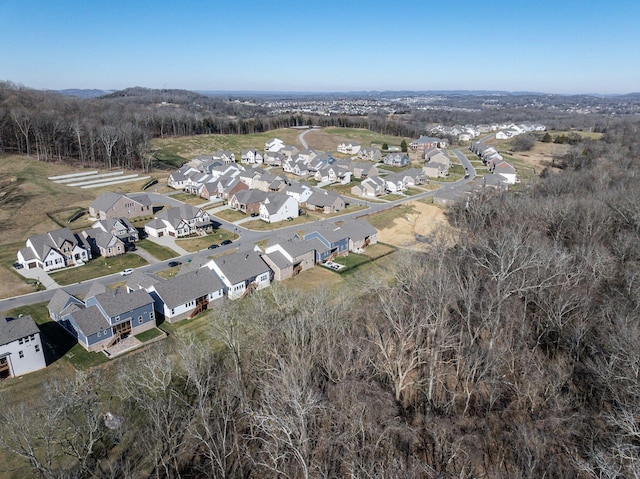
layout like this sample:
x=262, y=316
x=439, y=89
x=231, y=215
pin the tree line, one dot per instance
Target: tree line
x=508, y=349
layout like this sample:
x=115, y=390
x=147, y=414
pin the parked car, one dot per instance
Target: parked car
x=289, y=218
x=17, y=265
x=173, y=264
x=226, y=242
x=254, y=214
x=126, y=272
x=212, y=246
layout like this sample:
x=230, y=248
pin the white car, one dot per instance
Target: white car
x=126, y=272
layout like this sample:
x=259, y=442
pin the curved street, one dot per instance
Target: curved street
x=246, y=237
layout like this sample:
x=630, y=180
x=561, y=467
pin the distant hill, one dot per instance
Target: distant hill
x=84, y=93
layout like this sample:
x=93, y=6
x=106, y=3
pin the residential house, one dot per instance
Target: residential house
x=308, y=155
x=186, y=295
x=360, y=233
x=274, y=145
x=395, y=183
x=104, y=244
x=505, y=170
x=396, y=159
x=370, y=154
x=115, y=205
x=180, y=221
x=325, y=201
x=248, y=201
x=21, y=349
x=370, y=187
x=414, y=176
x=289, y=150
x=274, y=158
x=363, y=170
x=334, y=240
x=179, y=178
x=299, y=191
x=424, y=143
x=349, y=147
x=251, y=156
x=278, y=207
x=224, y=156
x=241, y=272
x=120, y=227
x=288, y=257
x=54, y=250
x=103, y=319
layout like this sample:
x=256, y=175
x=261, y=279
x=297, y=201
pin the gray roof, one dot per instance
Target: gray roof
x=43, y=243
x=279, y=259
x=118, y=301
x=95, y=289
x=60, y=300
x=327, y=198
x=12, y=329
x=90, y=320
x=176, y=214
x=294, y=246
x=358, y=229
x=142, y=280
x=241, y=266
x=187, y=287
x=276, y=200
x=247, y=197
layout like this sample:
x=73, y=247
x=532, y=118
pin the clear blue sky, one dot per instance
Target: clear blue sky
x=559, y=46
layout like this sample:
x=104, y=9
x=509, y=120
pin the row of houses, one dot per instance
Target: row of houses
x=506, y=173
x=105, y=317
x=469, y=132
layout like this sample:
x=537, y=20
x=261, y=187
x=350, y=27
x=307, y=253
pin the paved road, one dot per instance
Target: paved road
x=247, y=238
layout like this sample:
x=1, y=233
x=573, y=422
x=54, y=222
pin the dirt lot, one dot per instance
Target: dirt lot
x=405, y=230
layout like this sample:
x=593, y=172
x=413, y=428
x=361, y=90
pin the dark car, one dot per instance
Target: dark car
x=226, y=242
x=212, y=246
x=18, y=265
x=173, y=264
x=254, y=214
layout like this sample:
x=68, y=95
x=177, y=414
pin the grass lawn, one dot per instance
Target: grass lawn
x=192, y=200
x=386, y=218
x=230, y=215
x=159, y=252
x=455, y=173
x=198, y=327
x=366, y=137
x=378, y=250
x=412, y=191
x=220, y=235
x=11, y=283
x=98, y=267
x=391, y=169
x=176, y=151
x=259, y=225
x=148, y=335
x=353, y=260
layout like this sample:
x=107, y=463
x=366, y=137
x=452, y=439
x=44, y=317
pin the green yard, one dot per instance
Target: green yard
x=98, y=267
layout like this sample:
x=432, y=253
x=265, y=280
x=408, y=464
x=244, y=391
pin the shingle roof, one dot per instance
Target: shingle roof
x=279, y=259
x=90, y=320
x=12, y=329
x=118, y=301
x=241, y=266
x=187, y=287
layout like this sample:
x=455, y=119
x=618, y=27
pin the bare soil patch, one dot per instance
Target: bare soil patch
x=541, y=156
x=406, y=230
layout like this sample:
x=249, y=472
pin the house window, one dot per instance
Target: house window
x=173, y=311
x=98, y=333
x=21, y=354
x=117, y=318
x=151, y=315
x=37, y=348
x=32, y=337
x=140, y=320
x=21, y=341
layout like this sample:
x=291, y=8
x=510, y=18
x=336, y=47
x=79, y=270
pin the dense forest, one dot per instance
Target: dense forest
x=510, y=349
x=115, y=130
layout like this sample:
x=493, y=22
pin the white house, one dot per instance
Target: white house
x=54, y=250
x=274, y=145
x=186, y=295
x=20, y=347
x=241, y=273
x=349, y=147
x=278, y=207
x=179, y=221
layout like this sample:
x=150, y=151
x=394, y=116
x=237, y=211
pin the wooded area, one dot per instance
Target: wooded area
x=510, y=349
